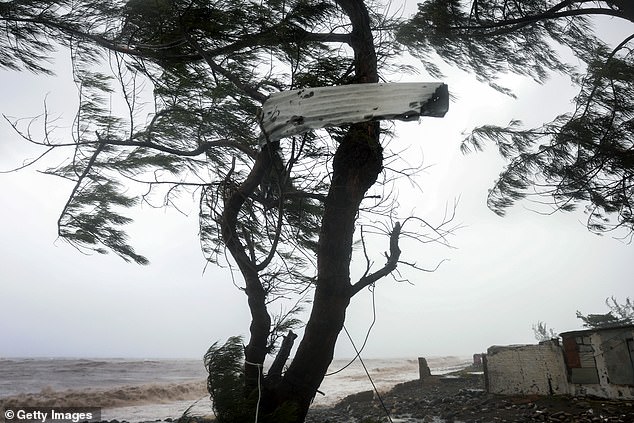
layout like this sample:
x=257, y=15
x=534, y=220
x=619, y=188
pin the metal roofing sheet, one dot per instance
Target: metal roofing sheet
x=292, y=112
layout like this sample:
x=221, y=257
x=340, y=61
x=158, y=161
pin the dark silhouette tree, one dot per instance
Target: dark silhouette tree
x=283, y=213
x=584, y=157
x=286, y=212
x=619, y=315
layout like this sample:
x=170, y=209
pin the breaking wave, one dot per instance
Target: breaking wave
x=110, y=397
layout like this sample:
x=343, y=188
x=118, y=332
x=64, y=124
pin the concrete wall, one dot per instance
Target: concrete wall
x=526, y=369
x=592, y=362
x=612, y=364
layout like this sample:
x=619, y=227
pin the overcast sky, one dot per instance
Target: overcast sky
x=502, y=276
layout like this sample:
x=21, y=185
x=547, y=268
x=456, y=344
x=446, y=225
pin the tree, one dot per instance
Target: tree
x=544, y=333
x=619, y=315
x=583, y=157
x=285, y=212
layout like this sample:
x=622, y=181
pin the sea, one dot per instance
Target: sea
x=136, y=390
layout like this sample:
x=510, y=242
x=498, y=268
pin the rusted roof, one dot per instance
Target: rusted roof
x=292, y=112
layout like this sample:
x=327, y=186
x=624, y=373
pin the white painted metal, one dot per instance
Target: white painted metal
x=292, y=112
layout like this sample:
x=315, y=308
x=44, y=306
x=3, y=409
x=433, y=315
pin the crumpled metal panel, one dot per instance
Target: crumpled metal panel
x=292, y=112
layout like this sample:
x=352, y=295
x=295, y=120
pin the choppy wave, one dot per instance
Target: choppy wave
x=447, y=364
x=140, y=391
x=31, y=376
x=109, y=398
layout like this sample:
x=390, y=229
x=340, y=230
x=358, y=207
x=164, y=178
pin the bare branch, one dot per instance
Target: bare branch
x=202, y=148
x=422, y=269
x=29, y=162
x=390, y=265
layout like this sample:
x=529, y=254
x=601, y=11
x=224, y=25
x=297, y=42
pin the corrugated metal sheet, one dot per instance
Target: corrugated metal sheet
x=292, y=112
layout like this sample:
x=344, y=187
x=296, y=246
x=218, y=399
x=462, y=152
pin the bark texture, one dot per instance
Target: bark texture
x=256, y=350
x=356, y=166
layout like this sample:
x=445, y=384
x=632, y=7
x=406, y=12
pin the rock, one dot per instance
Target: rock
x=463, y=402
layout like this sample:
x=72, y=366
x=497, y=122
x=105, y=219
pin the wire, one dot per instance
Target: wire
x=387, y=413
x=365, y=341
x=257, y=406
x=358, y=354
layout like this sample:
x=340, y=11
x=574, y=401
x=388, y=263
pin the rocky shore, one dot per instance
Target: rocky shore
x=462, y=398
x=459, y=397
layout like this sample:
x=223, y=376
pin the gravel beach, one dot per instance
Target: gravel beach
x=462, y=398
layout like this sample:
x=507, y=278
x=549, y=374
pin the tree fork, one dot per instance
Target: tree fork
x=256, y=350
x=275, y=371
x=356, y=166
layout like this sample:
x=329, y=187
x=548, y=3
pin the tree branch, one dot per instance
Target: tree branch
x=247, y=89
x=278, y=231
x=259, y=40
x=83, y=175
x=390, y=265
x=255, y=351
x=275, y=371
x=511, y=25
x=28, y=162
x=202, y=148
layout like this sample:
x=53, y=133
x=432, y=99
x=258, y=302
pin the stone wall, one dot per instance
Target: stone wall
x=596, y=362
x=526, y=369
x=601, y=363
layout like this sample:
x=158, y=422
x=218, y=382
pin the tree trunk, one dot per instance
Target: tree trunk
x=275, y=371
x=356, y=166
x=255, y=352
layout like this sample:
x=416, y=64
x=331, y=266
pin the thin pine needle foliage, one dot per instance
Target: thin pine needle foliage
x=170, y=93
x=27, y=44
x=583, y=158
x=619, y=315
x=205, y=64
x=225, y=367
x=475, y=40
x=283, y=323
x=33, y=29
x=200, y=124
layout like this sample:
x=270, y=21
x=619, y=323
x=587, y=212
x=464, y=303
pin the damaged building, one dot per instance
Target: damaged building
x=597, y=362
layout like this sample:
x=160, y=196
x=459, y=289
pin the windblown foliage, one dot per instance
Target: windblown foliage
x=619, y=315
x=170, y=95
x=585, y=156
x=26, y=44
x=582, y=157
x=170, y=92
x=194, y=54
x=225, y=365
